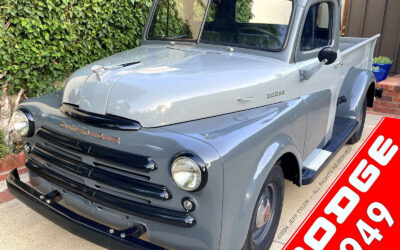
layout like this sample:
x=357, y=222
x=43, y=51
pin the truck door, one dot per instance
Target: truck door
x=319, y=29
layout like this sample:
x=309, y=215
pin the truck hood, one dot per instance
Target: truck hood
x=159, y=85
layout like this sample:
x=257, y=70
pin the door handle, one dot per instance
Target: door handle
x=245, y=99
x=339, y=64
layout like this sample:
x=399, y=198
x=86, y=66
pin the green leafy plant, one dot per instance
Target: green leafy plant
x=43, y=41
x=4, y=150
x=377, y=68
x=243, y=11
x=382, y=60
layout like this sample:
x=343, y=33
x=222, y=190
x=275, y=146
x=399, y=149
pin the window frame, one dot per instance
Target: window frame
x=330, y=27
x=300, y=55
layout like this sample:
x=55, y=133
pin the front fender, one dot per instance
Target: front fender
x=249, y=143
x=356, y=86
x=239, y=203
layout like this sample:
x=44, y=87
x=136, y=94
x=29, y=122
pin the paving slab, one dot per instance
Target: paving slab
x=22, y=228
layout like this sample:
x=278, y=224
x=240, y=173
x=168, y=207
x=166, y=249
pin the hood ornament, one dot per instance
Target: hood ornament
x=100, y=70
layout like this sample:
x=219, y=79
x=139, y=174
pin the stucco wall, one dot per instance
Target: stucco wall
x=271, y=11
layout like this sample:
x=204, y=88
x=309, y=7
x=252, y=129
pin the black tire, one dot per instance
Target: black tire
x=261, y=238
x=357, y=135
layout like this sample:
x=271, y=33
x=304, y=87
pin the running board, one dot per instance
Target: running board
x=343, y=130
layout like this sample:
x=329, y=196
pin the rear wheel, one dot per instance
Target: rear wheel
x=357, y=135
x=267, y=212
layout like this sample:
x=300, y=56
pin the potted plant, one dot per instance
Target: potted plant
x=379, y=73
x=384, y=63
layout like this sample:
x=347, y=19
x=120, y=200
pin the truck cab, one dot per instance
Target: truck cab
x=185, y=141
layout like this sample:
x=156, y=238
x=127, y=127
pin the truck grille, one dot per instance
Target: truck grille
x=64, y=155
x=138, y=162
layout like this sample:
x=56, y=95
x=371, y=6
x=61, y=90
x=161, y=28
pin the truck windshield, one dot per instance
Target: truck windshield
x=260, y=24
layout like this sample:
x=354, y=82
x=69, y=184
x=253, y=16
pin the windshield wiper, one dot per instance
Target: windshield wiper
x=173, y=37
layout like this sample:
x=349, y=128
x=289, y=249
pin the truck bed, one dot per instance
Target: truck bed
x=357, y=52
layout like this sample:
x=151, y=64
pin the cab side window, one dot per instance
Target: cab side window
x=317, y=30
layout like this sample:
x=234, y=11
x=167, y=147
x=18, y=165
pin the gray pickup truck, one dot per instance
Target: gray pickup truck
x=185, y=141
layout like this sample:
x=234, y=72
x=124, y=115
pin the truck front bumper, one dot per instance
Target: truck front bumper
x=47, y=205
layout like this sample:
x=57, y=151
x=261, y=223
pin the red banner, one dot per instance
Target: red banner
x=361, y=210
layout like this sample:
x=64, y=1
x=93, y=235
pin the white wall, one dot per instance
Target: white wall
x=274, y=11
x=271, y=11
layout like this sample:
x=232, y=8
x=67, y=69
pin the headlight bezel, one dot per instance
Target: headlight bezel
x=200, y=163
x=31, y=123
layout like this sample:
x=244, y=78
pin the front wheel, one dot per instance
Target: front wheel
x=267, y=212
x=357, y=135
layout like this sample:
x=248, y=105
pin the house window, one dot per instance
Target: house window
x=317, y=30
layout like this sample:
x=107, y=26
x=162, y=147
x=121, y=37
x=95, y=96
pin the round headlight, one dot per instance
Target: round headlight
x=21, y=123
x=186, y=173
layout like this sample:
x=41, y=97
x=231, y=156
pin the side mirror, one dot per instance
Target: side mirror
x=328, y=55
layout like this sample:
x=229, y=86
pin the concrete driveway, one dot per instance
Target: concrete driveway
x=21, y=228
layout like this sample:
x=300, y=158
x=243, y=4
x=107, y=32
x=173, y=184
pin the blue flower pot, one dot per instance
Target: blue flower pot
x=385, y=67
x=380, y=75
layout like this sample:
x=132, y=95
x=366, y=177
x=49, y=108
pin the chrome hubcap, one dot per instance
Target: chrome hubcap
x=264, y=216
x=263, y=213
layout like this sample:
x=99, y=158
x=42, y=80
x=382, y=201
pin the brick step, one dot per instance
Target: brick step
x=390, y=101
x=12, y=161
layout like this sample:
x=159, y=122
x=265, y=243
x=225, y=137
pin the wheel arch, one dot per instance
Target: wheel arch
x=357, y=85
x=291, y=167
x=290, y=158
x=371, y=95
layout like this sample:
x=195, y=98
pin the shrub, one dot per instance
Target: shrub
x=4, y=150
x=382, y=60
x=43, y=41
